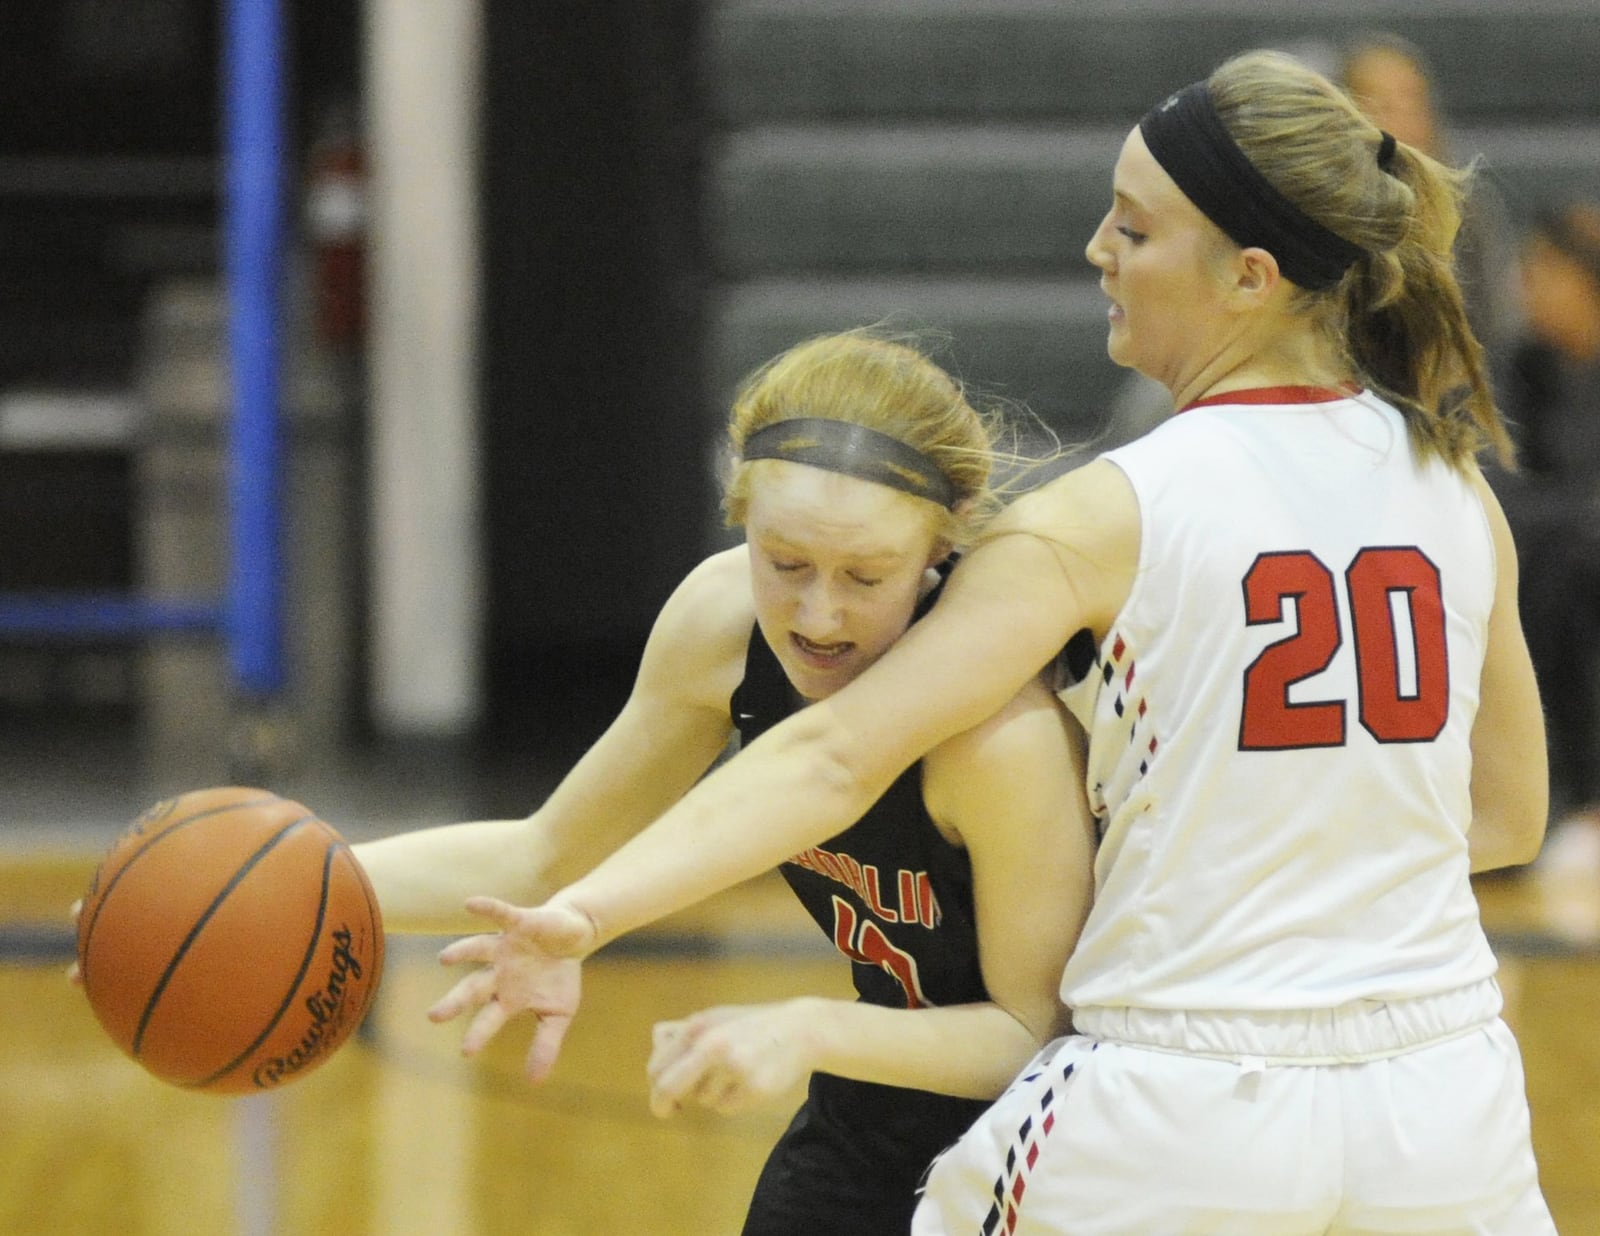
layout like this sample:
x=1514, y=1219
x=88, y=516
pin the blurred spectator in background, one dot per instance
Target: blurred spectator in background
x=1389, y=79
x=1552, y=399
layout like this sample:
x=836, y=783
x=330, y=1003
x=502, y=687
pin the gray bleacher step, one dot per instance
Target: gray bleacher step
x=1039, y=343
x=988, y=200
x=1110, y=59
x=967, y=197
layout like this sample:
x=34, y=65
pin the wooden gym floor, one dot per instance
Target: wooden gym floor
x=397, y=1135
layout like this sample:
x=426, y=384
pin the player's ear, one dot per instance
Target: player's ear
x=1256, y=274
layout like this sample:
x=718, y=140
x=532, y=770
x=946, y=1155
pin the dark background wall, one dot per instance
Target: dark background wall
x=595, y=478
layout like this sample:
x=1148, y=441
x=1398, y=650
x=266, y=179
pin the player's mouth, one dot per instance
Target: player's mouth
x=821, y=656
x=1113, y=310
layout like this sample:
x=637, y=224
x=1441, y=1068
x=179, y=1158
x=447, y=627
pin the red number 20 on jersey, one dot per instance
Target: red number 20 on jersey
x=1381, y=583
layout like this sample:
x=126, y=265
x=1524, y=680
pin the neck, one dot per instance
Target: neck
x=1287, y=359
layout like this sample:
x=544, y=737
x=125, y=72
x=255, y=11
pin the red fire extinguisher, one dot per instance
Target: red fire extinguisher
x=336, y=229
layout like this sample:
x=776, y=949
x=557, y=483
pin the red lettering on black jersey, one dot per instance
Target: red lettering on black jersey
x=874, y=898
x=863, y=941
x=917, y=903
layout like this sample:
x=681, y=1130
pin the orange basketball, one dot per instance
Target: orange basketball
x=229, y=941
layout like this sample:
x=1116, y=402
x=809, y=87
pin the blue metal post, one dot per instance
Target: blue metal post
x=253, y=210
x=253, y=222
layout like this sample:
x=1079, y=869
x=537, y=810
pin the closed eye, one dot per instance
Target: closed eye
x=1137, y=238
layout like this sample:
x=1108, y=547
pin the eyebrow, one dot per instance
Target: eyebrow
x=1127, y=199
x=775, y=540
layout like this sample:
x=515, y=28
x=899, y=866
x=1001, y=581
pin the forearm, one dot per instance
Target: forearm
x=813, y=775
x=783, y=794
x=423, y=878
x=1510, y=773
x=971, y=1050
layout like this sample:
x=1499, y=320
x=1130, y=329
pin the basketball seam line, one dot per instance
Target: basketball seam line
x=375, y=917
x=294, y=985
x=105, y=894
x=199, y=925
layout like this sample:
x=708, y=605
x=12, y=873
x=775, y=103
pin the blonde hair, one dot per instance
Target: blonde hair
x=1397, y=317
x=885, y=382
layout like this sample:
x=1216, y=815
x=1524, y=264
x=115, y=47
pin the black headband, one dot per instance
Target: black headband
x=1194, y=147
x=855, y=450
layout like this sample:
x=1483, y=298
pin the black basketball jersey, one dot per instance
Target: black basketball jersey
x=896, y=899
x=891, y=893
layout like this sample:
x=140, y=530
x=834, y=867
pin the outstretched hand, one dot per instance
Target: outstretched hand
x=75, y=912
x=531, y=965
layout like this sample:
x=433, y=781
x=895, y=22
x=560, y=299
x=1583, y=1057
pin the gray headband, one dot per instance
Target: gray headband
x=854, y=450
x=1194, y=147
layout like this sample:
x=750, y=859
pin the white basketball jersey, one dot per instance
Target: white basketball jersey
x=1279, y=718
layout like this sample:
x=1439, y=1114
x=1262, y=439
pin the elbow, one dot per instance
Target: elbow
x=1525, y=833
x=1514, y=854
x=1043, y=1023
x=829, y=762
x=1527, y=846
x=1495, y=844
x=1053, y=1027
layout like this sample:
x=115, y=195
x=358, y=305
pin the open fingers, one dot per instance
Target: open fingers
x=491, y=1017
x=546, y=1046
x=74, y=913
x=474, y=991
x=503, y=913
x=479, y=949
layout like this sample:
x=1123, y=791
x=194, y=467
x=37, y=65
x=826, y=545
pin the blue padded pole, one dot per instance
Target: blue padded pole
x=253, y=209
x=252, y=69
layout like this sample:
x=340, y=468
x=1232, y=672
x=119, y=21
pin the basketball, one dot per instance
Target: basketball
x=229, y=941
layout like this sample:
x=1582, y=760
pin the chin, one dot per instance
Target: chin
x=813, y=686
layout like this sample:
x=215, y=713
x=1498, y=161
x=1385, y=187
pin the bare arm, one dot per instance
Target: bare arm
x=1006, y=611
x=672, y=728
x=1063, y=560
x=1013, y=789
x=1510, y=775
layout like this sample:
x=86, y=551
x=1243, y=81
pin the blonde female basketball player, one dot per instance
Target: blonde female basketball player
x=956, y=893
x=1311, y=714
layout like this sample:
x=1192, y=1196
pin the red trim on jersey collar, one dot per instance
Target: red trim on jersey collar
x=1276, y=394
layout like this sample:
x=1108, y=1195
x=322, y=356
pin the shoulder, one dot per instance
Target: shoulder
x=1505, y=552
x=1086, y=526
x=1030, y=745
x=716, y=591
x=1096, y=499
x=1031, y=723
x=700, y=636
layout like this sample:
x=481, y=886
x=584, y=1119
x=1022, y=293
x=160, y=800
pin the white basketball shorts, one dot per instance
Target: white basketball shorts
x=1107, y=1139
